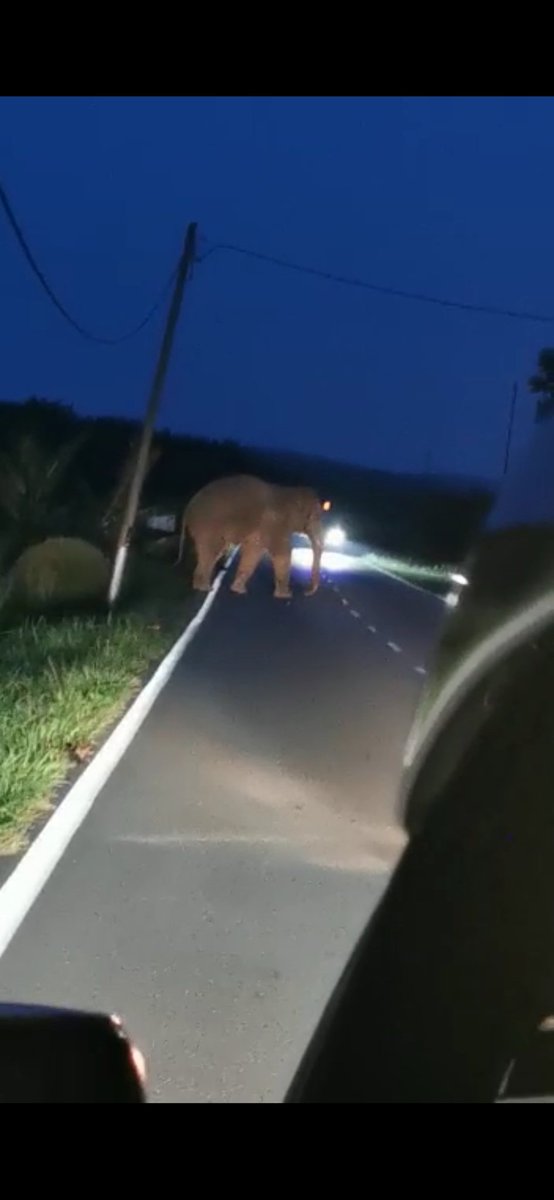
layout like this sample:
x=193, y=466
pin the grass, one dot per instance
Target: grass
x=63, y=682
x=433, y=577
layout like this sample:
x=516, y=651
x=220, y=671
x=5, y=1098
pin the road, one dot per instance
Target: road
x=217, y=887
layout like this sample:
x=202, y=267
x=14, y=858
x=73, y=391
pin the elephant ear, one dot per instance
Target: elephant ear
x=304, y=502
x=312, y=503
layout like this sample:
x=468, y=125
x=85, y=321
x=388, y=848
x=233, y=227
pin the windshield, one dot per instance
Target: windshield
x=506, y=589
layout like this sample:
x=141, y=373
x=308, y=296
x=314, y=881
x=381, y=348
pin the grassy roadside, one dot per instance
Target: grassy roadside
x=432, y=578
x=63, y=683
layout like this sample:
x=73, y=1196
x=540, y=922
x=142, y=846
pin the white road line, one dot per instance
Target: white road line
x=354, y=613
x=28, y=878
x=393, y=646
x=372, y=629
x=344, y=600
x=420, y=670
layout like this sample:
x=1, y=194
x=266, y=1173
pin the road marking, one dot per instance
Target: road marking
x=393, y=646
x=344, y=600
x=372, y=629
x=354, y=613
x=420, y=670
x=28, y=878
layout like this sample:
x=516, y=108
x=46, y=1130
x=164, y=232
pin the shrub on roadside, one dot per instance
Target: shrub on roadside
x=58, y=572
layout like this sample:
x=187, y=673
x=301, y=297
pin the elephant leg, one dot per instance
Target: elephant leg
x=208, y=550
x=281, y=567
x=251, y=552
x=281, y=557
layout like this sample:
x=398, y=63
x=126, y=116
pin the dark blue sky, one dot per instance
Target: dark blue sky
x=443, y=195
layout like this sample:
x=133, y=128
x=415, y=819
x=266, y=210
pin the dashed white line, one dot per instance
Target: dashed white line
x=396, y=649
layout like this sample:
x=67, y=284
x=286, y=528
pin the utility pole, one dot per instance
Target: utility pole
x=510, y=428
x=141, y=462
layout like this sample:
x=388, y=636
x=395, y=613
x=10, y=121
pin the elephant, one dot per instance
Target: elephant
x=259, y=517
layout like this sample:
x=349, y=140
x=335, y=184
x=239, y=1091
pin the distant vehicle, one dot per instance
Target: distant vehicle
x=163, y=522
x=335, y=536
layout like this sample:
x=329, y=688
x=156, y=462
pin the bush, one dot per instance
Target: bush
x=58, y=572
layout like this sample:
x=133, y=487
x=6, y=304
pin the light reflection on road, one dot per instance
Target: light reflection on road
x=353, y=557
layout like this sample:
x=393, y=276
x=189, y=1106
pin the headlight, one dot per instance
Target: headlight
x=335, y=536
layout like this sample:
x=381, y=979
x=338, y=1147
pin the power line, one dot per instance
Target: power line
x=91, y=337
x=400, y=293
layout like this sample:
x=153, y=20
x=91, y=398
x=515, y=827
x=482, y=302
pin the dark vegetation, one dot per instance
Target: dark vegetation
x=62, y=474
x=541, y=384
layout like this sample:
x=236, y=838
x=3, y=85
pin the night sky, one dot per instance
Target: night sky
x=440, y=195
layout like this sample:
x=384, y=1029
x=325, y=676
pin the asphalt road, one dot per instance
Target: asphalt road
x=217, y=887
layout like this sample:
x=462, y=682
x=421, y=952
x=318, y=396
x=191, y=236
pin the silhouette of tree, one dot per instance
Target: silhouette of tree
x=31, y=480
x=52, y=483
x=542, y=384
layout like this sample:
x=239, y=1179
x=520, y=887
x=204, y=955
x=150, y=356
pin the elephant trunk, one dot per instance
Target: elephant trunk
x=315, y=535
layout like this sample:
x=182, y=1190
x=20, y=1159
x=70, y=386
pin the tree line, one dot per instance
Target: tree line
x=66, y=474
